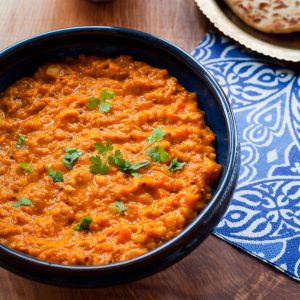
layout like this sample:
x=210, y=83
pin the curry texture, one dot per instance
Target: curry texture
x=50, y=110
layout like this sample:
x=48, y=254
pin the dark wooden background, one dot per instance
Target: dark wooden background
x=215, y=270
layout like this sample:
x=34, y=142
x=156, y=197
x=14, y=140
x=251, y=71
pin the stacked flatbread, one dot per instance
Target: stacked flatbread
x=273, y=16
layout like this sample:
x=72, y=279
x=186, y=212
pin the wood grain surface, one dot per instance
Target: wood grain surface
x=215, y=270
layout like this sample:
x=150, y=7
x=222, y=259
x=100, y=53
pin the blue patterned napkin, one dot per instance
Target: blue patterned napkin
x=264, y=215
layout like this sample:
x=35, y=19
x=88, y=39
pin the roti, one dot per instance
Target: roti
x=271, y=16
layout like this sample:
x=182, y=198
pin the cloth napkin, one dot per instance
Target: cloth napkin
x=263, y=217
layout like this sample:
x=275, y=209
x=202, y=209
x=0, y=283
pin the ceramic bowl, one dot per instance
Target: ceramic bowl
x=23, y=58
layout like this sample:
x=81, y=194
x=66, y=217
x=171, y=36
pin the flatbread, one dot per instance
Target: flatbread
x=272, y=16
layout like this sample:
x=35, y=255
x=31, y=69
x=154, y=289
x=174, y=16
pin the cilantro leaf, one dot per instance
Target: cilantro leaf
x=103, y=149
x=137, y=166
x=23, y=201
x=98, y=166
x=25, y=167
x=156, y=136
x=105, y=101
x=113, y=158
x=176, y=165
x=71, y=156
x=119, y=207
x=56, y=176
x=125, y=166
x=70, y=150
x=93, y=102
x=84, y=224
x=135, y=174
x=109, y=145
x=105, y=96
x=122, y=164
x=100, y=147
x=105, y=106
x=158, y=154
x=118, y=154
x=20, y=141
x=140, y=164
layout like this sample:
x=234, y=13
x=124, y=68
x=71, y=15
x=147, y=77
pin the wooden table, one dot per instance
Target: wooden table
x=215, y=270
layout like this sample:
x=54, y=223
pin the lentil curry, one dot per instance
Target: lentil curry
x=101, y=160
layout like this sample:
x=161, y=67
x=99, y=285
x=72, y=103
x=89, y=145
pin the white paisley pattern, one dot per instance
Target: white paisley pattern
x=264, y=215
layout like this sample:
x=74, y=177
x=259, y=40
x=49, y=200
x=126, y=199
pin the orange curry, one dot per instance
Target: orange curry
x=101, y=160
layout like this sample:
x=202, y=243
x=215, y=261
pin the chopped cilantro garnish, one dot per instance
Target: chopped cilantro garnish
x=122, y=164
x=98, y=166
x=56, y=176
x=119, y=207
x=118, y=154
x=139, y=165
x=104, y=100
x=113, y=158
x=105, y=96
x=176, y=165
x=103, y=149
x=20, y=141
x=125, y=166
x=156, y=136
x=72, y=154
x=93, y=102
x=84, y=224
x=25, y=167
x=23, y=201
x=158, y=154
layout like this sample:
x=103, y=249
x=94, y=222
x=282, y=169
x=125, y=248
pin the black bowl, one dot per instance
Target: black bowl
x=23, y=58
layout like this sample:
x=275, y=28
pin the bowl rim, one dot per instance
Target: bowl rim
x=231, y=162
